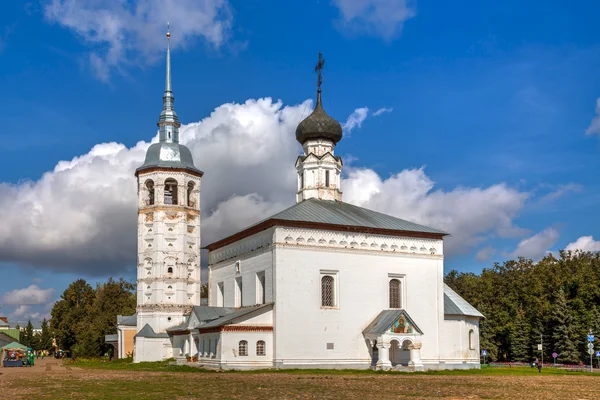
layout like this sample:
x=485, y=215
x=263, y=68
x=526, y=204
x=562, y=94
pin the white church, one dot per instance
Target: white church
x=322, y=284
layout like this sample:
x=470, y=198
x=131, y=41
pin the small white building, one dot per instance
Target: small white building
x=322, y=284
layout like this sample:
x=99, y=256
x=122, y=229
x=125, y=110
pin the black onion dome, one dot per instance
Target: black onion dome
x=319, y=125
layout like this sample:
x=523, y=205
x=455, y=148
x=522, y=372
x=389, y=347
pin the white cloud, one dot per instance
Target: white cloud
x=485, y=254
x=356, y=119
x=382, y=110
x=594, y=127
x=31, y=295
x=122, y=33
x=20, y=311
x=384, y=18
x=81, y=216
x=536, y=246
x=585, y=243
x=469, y=214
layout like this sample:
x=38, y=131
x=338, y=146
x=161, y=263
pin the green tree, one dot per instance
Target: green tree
x=27, y=338
x=71, y=313
x=564, y=332
x=83, y=315
x=45, y=338
x=520, y=348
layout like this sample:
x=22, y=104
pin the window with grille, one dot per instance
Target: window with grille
x=327, y=291
x=260, y=348
x=243, y=348
x=395, y=294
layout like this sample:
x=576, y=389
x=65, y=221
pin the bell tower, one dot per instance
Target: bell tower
x=319, y=169
x=168, y=275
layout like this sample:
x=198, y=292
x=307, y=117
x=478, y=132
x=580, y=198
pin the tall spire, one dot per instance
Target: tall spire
x=168, y=122
x=168, y=79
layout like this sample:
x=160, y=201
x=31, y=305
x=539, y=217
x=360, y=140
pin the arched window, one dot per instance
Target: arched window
x=327, y=178
x=471, y=340
x=150, y=188
x=169, y=287
x=190, y=199
x=243, y=348
x=327, y=295
x=260, y=348
x=395, y=294
x=170, y=270
x=171, y=191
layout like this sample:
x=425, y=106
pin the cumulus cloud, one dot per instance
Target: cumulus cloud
x=469, y=214
x=356, y=119
x=81, y=216
x=585, y=243
x=122, y=33
x=31, y=295
x=536, y=246
x=382, y=110
x=594, y=127
x=384, y=18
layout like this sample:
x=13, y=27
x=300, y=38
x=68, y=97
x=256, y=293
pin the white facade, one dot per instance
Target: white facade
x=309, y=335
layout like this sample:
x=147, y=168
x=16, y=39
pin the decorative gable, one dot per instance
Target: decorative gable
x=402, y=325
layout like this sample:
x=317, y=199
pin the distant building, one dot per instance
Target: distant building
x=322, y=284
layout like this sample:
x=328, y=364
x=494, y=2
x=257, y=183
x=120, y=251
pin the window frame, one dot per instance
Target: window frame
x=264, y=348
x=398, y=296
x=243, y=353
x=403, y=290
x=335, y=289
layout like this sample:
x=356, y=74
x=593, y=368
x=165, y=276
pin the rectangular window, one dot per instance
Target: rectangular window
x=396, y=291
x=329, y=289
x=327, y=178
x=238, y=292
x=260, y=287
x=220, y=294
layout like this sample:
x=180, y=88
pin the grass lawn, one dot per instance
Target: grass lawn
x=90, y=379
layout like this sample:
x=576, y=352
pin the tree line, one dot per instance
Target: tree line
x=84, y=315
x=555, y=301
x=36, y=340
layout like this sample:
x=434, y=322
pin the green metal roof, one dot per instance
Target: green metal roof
x=148, y=332
x=456, y=305
x=231, y=317
x=385, y=319
x=340, y=213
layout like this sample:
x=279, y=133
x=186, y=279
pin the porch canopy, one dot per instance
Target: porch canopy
x=393, y=331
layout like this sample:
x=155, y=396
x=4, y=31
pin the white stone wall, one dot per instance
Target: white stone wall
x=249, y=261
x=151, y=349
x=454, y=342
x=168, y=251
x=303, y=328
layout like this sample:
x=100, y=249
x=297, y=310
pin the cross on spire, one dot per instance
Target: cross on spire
x=319, y=71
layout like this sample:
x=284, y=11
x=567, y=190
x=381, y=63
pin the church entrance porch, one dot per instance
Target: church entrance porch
x=395, y=341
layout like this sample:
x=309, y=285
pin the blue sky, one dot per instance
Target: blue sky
x=484, y=134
